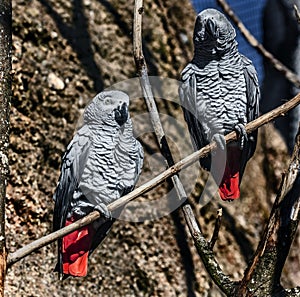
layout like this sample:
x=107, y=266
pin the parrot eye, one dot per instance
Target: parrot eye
x=107, y=101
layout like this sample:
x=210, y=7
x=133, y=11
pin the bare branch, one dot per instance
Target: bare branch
x=45, y=240
x=184, y=163
x=216, y=229
x=291, y=76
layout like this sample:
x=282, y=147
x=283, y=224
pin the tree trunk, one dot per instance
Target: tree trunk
x=262, y=277
x=5, y=95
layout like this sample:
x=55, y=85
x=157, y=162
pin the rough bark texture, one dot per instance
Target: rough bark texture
x=5, y=97
x=262, y=278
x=63, y=51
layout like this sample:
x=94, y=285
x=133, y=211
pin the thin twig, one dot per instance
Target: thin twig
x=182, y=164
x=216, y=229
x=291, y=76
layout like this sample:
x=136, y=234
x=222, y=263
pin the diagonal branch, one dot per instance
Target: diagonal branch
x=291, y=76
x=184, y=163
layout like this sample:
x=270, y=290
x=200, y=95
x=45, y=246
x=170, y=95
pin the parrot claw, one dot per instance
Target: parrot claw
x=102, y=208
x=242, y=134
x=220, y=140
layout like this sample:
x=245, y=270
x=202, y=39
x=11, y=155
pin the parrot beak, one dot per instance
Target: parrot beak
x=212, y=28
x=121, y=114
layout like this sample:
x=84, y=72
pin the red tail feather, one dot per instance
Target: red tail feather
x=75, y=250
x=230, y=184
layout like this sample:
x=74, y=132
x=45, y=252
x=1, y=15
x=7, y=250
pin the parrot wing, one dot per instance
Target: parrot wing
x=253, y=97
x=73, y=162
x=188, y=99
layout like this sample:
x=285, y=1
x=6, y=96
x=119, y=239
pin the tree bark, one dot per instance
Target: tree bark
x=262, y=277
x=5, y=96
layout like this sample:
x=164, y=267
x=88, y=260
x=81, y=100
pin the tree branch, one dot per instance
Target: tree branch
x=291, y=76
x=45, y=240
x=182, y=164
x=207, y=256
x=216, y=229
x=262, y=276
x=5, y=98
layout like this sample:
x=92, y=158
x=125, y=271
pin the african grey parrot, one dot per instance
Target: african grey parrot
x=282, y=39
x=102, y=163
x=220, y=93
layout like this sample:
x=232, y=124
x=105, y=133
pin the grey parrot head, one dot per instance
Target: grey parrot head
x=108, y=107
x=213, y=32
